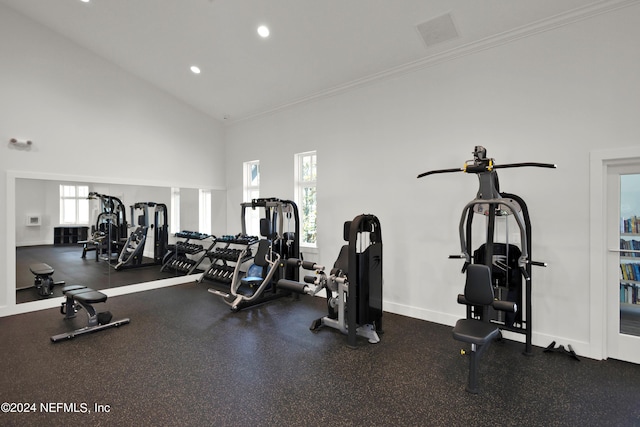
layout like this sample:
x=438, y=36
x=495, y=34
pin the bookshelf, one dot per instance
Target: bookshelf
x=69, y=235
x=630, y=261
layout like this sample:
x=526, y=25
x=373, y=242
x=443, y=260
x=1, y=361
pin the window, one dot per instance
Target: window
x=74, y=204
x=251, y=190
x=205, y=212
x=305, y=195
x=251, y=182
x=174, y=219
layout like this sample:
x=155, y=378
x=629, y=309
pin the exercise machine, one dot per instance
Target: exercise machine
x=478, y=291
x=43, y=280
x=284, y=224
x=132, y=253
x=110, y=230
x=245, y=270
x=79, y=297
x=509, y=265
x=354, y=284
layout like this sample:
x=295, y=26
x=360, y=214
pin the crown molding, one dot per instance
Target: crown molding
x=544, y=25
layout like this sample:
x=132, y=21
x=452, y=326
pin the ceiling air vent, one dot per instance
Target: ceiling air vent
x=437, y=30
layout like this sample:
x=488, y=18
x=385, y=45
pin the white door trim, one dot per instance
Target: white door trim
x=600, y=161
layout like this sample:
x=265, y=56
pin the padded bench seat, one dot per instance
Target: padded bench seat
x=475, y=332
x=41, y=269
x=89, y=296
x=83, y=294
x=69, y=288
x=79, y=296
x=43, y=281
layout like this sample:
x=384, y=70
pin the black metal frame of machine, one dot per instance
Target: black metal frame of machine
x=354, y=285
x=491, y=203
x=230, y=256
x=132, y=253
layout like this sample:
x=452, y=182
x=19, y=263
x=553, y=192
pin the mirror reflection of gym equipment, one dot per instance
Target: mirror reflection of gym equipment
x=110, y=228
x=495, y=297
x=132, y=253
x=110, y=237
x=50, y=241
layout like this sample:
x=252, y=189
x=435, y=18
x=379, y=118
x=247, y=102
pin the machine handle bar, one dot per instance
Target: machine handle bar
x=473, y=169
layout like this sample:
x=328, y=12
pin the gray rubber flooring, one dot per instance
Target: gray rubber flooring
x=187, y=360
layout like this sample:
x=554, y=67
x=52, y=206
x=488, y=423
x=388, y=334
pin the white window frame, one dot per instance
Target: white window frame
x=250, y=191
x=250, y=185
x=304, y=183
x=204, y=217
x=174, y=219
x=78, y=196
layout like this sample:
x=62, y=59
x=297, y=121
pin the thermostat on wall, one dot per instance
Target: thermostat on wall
x=33, y=220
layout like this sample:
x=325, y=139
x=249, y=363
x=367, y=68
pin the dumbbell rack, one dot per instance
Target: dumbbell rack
x=225, y=256
x=178, y=259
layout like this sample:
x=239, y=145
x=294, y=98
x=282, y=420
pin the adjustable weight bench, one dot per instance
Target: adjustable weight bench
x=479, y=332
x=78, y=297
x=43, y=281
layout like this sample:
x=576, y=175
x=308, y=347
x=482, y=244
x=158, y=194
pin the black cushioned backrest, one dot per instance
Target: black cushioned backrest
x=345, y=231
x=342, y=263
x=478, y=289
x=262, y=252
x=265, y=228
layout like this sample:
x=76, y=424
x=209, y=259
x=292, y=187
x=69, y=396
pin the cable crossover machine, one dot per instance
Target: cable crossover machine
x=508, y=264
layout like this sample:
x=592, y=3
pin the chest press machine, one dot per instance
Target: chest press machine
x=353, y=286
x=280, y=240
x=495, y=265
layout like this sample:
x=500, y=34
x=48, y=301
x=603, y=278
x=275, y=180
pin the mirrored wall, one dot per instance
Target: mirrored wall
x=70, y=225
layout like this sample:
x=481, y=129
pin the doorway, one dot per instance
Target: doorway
x=623, y=260
x=615, y=205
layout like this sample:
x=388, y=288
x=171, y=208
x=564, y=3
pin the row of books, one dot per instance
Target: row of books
x=630, y=225
x=630, y=271
x=629, y=293
x=633, y=245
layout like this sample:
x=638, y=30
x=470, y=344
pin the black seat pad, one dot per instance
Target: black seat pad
x=474, y=331
x=70, y=288
x=72, y=293
x=90, y=296
x=41, y=269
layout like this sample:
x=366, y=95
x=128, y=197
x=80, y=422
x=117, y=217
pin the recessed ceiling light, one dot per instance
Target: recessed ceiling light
x=195, y=70
x=263, y=31
x=84, y=1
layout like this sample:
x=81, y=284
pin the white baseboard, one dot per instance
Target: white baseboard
x=581, y=348
x=36, y=243
x=28, y=307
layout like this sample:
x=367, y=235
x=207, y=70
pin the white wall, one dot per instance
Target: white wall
x=88, y=119
x=551, y=97
x=34, y=203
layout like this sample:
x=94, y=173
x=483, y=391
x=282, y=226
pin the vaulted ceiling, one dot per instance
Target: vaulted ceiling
x=315, y=47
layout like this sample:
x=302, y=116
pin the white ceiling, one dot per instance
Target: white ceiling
x=316, y=47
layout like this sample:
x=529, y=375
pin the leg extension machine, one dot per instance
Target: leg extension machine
x=354, y=285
